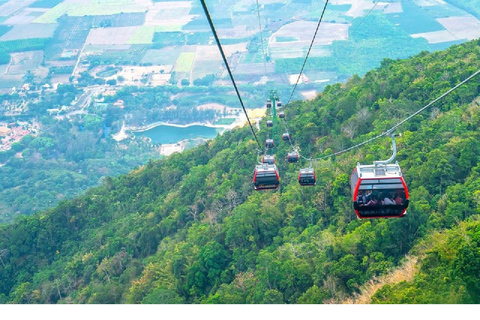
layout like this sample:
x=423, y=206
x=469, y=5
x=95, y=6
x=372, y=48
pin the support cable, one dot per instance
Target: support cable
x=308, y=53
x=261, y=39
x=210, y=22
x=389, y=131
x=363, y=19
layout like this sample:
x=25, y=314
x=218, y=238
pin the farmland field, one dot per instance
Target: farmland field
x=462, y=27
x=143, y=35
x=185, y=62
x=22, y=62
x=23, y=45
x=303, y=31
x=98, y=8
x=109, y=36
x=69, y=36
x=13, y=6
x=164, y=56
x=202, y=68
x=408, y=19
x=29, y=31
x=109, y=7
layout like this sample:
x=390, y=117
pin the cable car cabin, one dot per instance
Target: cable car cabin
x=379, y=191
x=279, y=104
x=268, y=159
x=286, y=137
x=269, y=123
x=292, y=157
x=268, y=104
x=269, y=143
x=266, y=177
x=281, y=115
x=307, y=177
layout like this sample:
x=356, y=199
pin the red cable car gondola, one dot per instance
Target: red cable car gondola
x=266, y=177
x=306, y=177
x=293, y=157
x=269, y=143
x=379, y=191
x=268, y=159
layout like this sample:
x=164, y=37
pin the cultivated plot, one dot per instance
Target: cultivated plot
x=143, y=35
x=205, y=67
x=30, y=31
x=13, y=6
x=111, y=36
x=304, y=30
x=462, y=27
x=436, y=36
x=169, y=14
x=164, y=56
x=23, y=17
x=79, y=8
x=185, y=62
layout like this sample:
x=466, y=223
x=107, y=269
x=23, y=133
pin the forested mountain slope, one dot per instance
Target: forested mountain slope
x=191, y=229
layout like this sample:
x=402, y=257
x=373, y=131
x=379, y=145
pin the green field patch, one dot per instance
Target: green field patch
x=144, y=35
x=185, y=62
x=23, y=45
x=131, y=56
x=166, y=39
x=56, y=12
x=415, y=19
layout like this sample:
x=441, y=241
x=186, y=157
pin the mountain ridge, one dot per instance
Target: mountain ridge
x=190, y=229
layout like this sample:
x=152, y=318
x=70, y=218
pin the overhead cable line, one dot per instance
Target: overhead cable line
x=261, y=39
x=363, y=19
x=210, y=22
x=308, y=52
x=399, y=123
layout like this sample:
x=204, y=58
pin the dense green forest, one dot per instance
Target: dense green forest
x=190, y=228
x=75, y=150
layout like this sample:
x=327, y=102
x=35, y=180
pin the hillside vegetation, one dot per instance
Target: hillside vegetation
x=190, y=229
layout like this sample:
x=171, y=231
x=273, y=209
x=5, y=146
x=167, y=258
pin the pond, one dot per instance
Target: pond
x=166, y=134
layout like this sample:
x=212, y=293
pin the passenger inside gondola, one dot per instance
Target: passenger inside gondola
x=373, y=201
x=399, y=197
x=361, y=200
x=388, y=199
